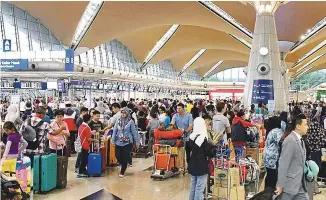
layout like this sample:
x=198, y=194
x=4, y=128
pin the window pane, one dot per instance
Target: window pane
x=47, y=46
x=31, y=18
x=7, y=19
x=32, y=26
x=36, y=45
x=19, y=13
x=21, y=22
x=242, y=75
x=234, y=74
x=45, y=38
x=44, y=29
x=6, y=8
x=35, y=35
x=227, y=75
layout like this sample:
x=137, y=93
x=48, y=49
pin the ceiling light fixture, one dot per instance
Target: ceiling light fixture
x=226, y=17
x=86, y=20
x=314, y=30
x=263, y=51
x=192, y=60
x=207, y=74
x=159, y=45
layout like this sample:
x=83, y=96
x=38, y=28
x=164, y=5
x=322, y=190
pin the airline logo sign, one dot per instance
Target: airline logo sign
x=6, y=45
x=13, y=64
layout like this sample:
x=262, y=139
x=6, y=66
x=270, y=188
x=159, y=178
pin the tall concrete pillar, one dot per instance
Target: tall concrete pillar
x=264, y=78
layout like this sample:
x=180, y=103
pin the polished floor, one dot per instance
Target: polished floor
x=137, y=184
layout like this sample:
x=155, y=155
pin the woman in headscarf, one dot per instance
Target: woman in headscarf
x=13, y=115
x=198, y=150
x=124, y=135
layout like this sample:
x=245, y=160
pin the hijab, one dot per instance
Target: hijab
x=124, y=121
x=12, y=113
x=199, y=130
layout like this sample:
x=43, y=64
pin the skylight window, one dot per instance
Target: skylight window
x=192, y=60
x=159, y=45
x=213, y=68
x=90, y=13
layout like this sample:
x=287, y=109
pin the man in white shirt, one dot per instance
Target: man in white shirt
x=221, y=124
x=116, y=116
x=22, y=106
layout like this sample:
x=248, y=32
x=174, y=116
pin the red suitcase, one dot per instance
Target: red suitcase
x=162, y=162
x=172, y=134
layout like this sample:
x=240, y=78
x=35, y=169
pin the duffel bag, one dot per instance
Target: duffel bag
x=172, y=134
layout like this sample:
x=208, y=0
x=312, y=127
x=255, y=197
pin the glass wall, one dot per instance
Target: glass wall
x=310, y=80
x=117, y=56
x=25, y=32
x=229, y=75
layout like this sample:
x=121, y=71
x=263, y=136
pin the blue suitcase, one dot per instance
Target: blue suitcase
x=94, y=165
x=45, y=172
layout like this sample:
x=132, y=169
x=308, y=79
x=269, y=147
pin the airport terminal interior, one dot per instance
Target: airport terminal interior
x=159, y=100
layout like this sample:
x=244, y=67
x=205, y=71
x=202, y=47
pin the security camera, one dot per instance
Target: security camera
x=263, y=68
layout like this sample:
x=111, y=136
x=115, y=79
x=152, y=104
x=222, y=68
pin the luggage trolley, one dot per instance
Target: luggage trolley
x=143, y=149
x=222, y=161
x=164, y=162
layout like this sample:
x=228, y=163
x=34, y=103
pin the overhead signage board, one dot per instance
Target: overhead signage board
x=13, y=64
x=262, y=91
x=6, y=45
x=69, y=61
x=61, y=86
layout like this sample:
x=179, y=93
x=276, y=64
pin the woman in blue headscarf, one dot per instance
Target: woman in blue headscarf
x=124, y=135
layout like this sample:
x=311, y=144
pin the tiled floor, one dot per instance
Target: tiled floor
x=137, y=184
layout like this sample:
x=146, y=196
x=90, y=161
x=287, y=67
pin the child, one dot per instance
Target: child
x=14, y=147
x=83, y=112
x=85, y=133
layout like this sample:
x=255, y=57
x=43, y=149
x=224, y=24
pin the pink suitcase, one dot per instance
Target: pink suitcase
x=22, y=176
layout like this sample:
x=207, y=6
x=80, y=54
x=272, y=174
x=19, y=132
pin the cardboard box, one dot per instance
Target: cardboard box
x=236, y=193
x=180, y=158
x=221, y=179
x=174, y=150
x=323, y=158
x=253, y=153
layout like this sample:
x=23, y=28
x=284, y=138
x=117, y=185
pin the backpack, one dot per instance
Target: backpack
x=30, y=134
x=253, y=168
x=78, y=145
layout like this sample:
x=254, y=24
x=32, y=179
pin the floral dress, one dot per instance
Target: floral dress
x=271, y=152
x=316, y=136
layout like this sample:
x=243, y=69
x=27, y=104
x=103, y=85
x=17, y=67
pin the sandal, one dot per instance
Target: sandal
x=319, y=192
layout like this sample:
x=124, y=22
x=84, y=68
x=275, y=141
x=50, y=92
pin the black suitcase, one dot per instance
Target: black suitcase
x=267, y=194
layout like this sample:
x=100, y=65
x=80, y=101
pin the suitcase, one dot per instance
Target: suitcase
x=45, y=172
x=162, y=161
x=103, y=152
x=22, y=177
x=94, y=165
x=62, y=163
x=172, y=134
x=112, y=159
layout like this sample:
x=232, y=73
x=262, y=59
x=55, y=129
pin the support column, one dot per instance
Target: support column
x=264, y=79
x=69, y=89
x=46, y=92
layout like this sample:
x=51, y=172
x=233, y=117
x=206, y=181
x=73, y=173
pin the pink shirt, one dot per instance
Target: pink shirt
x=57, y=141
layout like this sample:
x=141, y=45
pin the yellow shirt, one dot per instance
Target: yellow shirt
x=189, y=107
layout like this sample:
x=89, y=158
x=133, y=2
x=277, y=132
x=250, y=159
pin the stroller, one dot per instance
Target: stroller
x=10, y=189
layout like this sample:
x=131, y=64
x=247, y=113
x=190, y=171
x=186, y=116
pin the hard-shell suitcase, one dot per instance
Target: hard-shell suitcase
x=112, y=159
x=164, y=161
x=62, y=163
x=172, y=134
x=45, y=172
x=94, y=165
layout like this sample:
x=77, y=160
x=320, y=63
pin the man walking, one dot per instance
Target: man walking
x=291, y=184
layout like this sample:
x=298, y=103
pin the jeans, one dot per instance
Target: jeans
x=198, y=185
x=238, y=152
x=78, y=160
x=83, y=162
x=72, y=139
x=122, y=153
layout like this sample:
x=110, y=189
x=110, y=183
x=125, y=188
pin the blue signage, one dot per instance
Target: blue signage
x=44, y=85
x=81, y=83
x=69, y=61
x=61, y=85
x=6, y=45
x=17, y=85
x=13, y=64
x=262, y=91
